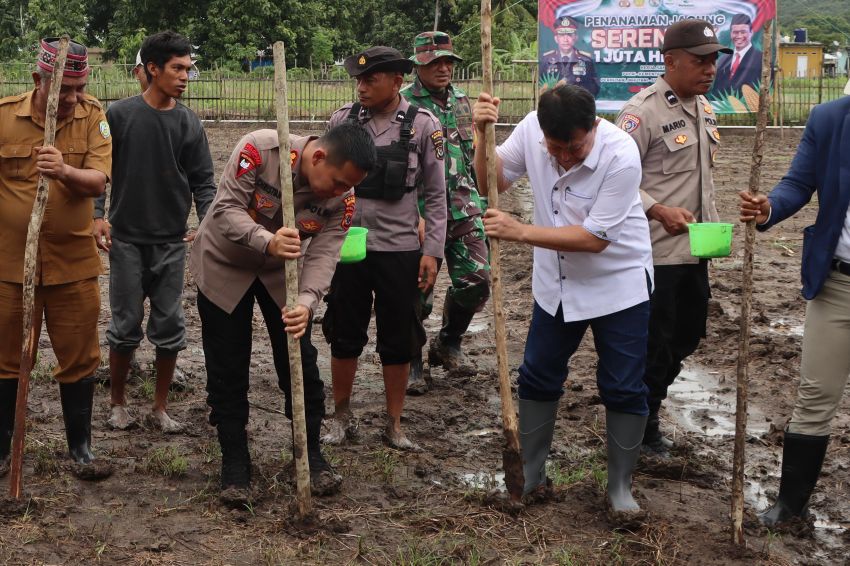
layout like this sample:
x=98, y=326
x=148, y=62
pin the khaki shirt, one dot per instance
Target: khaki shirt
x=66, y=248
x=394, y=225
x=229, y=251
x=678, y=142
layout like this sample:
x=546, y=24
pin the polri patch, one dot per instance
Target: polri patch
x=309, y=226
x=437, y=140
x=262, y=201
x=629, y=123
x=293, y=157
x=104, y=129
x=350, y=203
x=716, y=135
x=671, y=97
x=681, y=139
x=249, y=159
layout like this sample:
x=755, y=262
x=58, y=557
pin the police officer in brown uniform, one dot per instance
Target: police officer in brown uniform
x=237, y=259
x=409, y=142
x=67, y=295
x=676, y=131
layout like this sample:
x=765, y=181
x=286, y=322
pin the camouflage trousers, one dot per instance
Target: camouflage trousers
x=467, y=256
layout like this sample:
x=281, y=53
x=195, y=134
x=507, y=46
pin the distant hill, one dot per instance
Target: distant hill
x=826, y=20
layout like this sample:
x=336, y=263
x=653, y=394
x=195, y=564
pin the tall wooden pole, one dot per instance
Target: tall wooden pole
x=30, y=256
x=746, y=299
x=299, y=420
x=511, y=459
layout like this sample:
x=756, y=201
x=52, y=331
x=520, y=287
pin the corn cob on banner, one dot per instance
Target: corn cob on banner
x=613, y=47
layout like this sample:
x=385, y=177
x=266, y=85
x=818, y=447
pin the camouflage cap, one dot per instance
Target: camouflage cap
x=432, y=45
x=565, y=25
x=376, y=59
x=694, y=36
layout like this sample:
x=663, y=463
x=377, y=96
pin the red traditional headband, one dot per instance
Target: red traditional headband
x=77, y=64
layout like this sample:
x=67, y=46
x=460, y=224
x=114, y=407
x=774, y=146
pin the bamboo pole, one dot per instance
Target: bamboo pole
x=299, y=421
x=511, y=459
x=746, y=300
x=30, y=255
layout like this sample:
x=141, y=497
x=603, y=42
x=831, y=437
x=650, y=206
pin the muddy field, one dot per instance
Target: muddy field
x=161, y=506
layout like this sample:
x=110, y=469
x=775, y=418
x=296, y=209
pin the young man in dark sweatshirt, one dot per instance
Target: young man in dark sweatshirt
x=161, y=163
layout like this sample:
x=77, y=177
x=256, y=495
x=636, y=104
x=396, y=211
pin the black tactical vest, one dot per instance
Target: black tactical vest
x=388, y=179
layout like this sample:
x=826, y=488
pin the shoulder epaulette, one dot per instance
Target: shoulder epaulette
x=13, y=98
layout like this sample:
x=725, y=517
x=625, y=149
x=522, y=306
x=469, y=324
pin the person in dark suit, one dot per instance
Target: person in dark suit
x=825, y=363
x=743, y=66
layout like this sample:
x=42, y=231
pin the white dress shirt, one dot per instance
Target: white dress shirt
x=601, y=195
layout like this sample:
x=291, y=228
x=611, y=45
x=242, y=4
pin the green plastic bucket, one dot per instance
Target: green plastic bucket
x=354, y=246
x=710, y=239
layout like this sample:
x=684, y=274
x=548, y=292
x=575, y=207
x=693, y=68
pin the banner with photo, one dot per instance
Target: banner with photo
x=613, y=47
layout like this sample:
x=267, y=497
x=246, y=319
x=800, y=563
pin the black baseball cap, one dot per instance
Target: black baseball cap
x=376, y=59
x=694, y=36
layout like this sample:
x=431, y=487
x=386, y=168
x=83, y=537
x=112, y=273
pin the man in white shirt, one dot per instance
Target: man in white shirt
x=592, y=268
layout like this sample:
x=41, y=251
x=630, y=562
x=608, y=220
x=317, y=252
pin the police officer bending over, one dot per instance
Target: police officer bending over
x=237, y=259
x=409, y=142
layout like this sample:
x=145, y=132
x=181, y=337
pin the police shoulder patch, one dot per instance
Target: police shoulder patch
x=249, y=159
x=293, y=157
x=350, y=203
x=671, y=97
x=629, y=123
x=437, y=141
x=104, y=129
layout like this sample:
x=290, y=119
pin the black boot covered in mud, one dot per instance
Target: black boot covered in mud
x=8, y=395
x=655, y=443
x=418, y=380
x=323, y=479
x=235, y=465
x=802, y=458
x=445, y=350
x=536, y=428
x=625, y=432
x=77, y=401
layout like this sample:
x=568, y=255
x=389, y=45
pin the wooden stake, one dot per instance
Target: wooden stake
x=30, y=255
x=511, y=458
x=299, y=420
x=746, y=299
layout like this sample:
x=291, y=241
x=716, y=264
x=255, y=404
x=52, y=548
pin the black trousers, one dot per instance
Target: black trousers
x=677, y=322
x=227, y=340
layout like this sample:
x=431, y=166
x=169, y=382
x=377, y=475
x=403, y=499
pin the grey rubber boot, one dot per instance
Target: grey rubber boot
x=536, y=427
x=625, y=434
x=802, y=458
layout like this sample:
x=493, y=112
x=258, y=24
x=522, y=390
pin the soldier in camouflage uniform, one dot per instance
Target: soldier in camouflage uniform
x=466, y=245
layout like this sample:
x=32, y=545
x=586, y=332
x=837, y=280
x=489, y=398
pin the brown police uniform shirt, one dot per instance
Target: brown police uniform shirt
x=394, y=225
x=678, y=142
x=67, y=251
x=229, y=251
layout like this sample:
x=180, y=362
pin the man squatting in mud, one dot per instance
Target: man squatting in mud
x=466, y=249
x=409, y=142
x=592, y=268
x=676, y=133
x=66, y=290
x=237, y=260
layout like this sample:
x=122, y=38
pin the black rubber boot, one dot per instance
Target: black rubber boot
x=654, y=443
x=77, y=401
x=446, y=348
x=235, y=464
x=76, y=409
x=625, y=432
x=8, y=395
x=323, y=479
x=536, y=428
x=419, y=379
x=802, y=458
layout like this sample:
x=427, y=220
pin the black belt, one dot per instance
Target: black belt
x=841, y=266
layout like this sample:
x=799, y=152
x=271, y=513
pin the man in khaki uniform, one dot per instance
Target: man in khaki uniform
x=66, y=293
x=237, y=259
x=409, y=142
x=676, y=133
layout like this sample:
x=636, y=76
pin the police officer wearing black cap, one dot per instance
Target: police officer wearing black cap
x=409, y=141
x=676, y=132
x=568, y=63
